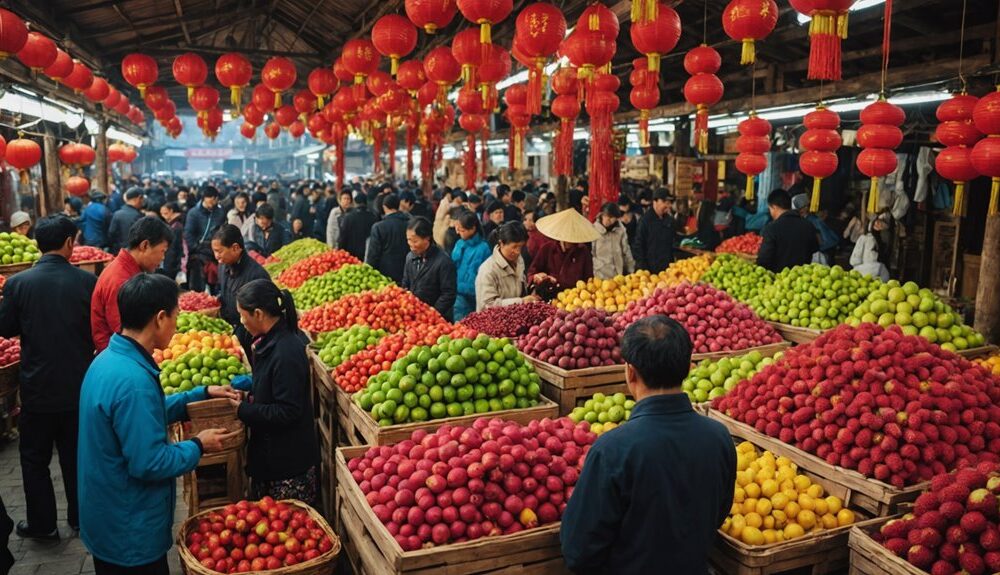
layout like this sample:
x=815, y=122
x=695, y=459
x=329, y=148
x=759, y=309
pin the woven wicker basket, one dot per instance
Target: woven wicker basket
x=325, y=564
x=209, y=311
x=213, y=414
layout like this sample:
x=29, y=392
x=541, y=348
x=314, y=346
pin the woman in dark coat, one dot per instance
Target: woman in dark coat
x=282, y=451
x=429, y=272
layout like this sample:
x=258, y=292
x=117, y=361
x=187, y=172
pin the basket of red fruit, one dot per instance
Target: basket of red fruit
x=89, y=255
x=284, y=537
x=200, y=302
x=10, y=364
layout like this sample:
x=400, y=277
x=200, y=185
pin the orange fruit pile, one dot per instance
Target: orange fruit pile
x=198, y=340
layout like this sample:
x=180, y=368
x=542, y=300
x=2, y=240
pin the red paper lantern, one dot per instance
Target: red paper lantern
x=410, y=75
x=112, y=99
x=752, y=164
x=566, y=107
x=496, y=67
x=539, y=30
x=116, y=152
x=135, y=115
x=278, y=75
x=427, y=94
x=516, y=96
x=360, y=58
x=166, y=111
x=959, y=133
x=486, y=13
x=394, y=37
x=285, y=115
x=826, y=29
x=469, y=101
x=253, y=115
x=341, y=72
x=379, y=83
x=80, y=78
x=98, y=90
x=657, y=37
x=77, y=186
x=588, y=50
x=211, y=123
x=467, y=49
x=986, y=153
x=124, y=106
x=140, y=71
x=21, y=153
x=644, y=98
x=296, y=129
x=597, y=17
x=703, y=89
x=442, y=69
x=262, y=98
x=748, y=21
x=13, y=33
x=234, y=71
x=85, y=155
x=38, y=52
x=190, y=71
x=564, y=81
x=69, y=154
x=203, y=99
x=345, y=102
x=61, y=67
x=472, y=123
x=880, y=129
x=955, y=163
x=156, y=97
x=820, y=142
x=131, y=154
x=321, y=83
x=304, y=102
x=431, y=15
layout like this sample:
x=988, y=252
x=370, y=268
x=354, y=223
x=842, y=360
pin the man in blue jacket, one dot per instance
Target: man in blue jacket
x=128, y=468
x=201, y=224
x=94, y=221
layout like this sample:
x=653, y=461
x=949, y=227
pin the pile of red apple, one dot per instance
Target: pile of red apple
x=10, y=351
x=392, y=309
x=895, y=408
x=313, y=266
x=462, y=483
x=89, y=254
x=352, y=375
x=265, y=535
x=197, y=301
x=745, y=244
x=713, y=319
x=258, y=257
x=585, y=337
x=954, y=526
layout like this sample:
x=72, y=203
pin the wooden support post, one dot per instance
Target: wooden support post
x=101, y=163
x=988, y=291
x=51, y=200
x=682, y=139
x=562, y=193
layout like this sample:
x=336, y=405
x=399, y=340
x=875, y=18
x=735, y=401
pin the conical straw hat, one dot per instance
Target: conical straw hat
x=568, y=226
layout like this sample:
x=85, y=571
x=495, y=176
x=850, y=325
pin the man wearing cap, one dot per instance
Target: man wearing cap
x=654, y=241
x=123, y=219
x=612, y=254
x=20, y=222
x=566, y=257
x=94, y=221
x=788, y=240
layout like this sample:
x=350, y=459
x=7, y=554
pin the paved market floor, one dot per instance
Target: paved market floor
x=68, y=556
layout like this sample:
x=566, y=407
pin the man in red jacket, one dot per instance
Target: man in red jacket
x=148, y=240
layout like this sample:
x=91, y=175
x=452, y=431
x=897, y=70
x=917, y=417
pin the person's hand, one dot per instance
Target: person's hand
x=222, y=392
x=541, y=278
x=531, y=298
x=212, y=439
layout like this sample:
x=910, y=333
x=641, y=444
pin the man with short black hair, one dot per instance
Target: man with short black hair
x=653, y=492
x=123, y=219
x=147, y=244
x=654, y=241
x=356, y=227
x=789, y=240
x=387, y=247
x=201, y=223
x=48, y=306
x=336, y=215
x=128, y=468
x=174, y=217
x=268, y=235
x=513, y=206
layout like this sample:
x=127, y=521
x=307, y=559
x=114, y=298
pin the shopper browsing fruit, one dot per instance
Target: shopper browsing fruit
x=282, y=451
x=655, y=234
x=789, y=240
x=653, y=491
x=612, y=254
x=566, y=258
x=470, y=252
x=429, y=272
x=500, y=280
x=199, y=225
x=236, y=269
x=128, y=469
x=147, y=243
x=56, y=349
x=387, y=247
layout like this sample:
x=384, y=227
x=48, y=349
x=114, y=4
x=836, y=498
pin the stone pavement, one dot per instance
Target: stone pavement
x=68, y=556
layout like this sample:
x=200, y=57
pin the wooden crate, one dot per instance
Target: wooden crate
x=95, y=267
x=765, y=350
x=868, y=557
x=372, y=551
x=877, y=498
x=11, y=269
x=974, y=352
x=570, y=388
x=795, y=334
x=218, y=480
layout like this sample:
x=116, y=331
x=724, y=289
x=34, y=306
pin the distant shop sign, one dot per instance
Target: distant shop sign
x=209, y=153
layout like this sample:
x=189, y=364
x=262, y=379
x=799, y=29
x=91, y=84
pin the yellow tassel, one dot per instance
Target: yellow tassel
x=234, y=98
x=653, y=62
x=485, y=36
x=190, y=93
x=142, y=90
x=636, y=10
x=484, y=89
x=814, y=201
x=842, y=25
x=873, y=197
x=703, y=142
x=394, y=66
x=320, y=102
x=959, y=209
x=749, y=194
x=994, y=209
x=652, y=10
x=749, y=52
x=277, y=100
x=431, y=28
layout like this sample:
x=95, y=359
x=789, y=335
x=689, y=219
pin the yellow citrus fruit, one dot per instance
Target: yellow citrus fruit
x=806, y=518
x=845, y=517
x=764, y=506
x=752, y=536
x=770, y=536
x=834, y=504
x=793, y=530
x=802, y=482
x=752, y=489
x=828, y=521
x=768, y=487
x=806, y=502
x=815, y=491
x=792, y=509
x=754, y=520
x=779, y=501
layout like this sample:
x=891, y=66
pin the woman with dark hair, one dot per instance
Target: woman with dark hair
x=282, y=451
x=470, y=252
x=428, y=272
x=500, y=280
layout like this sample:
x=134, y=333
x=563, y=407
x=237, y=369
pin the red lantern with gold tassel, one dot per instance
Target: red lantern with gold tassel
x=486, y=13
x=431, y=15
x=826, y=29
x=80, y=78
x=986, y=153
x=469, y=101
x=749, y=21
x=539, y=30
x=394, y=37
x=13, y=33
x=38, y=52
x=879, y=133
x=285, y=115
x=473, y=124
x=156, y=97
x=427, y=94
x=644, y=98
x=566, y=107
x=442, y=69
x=703, y=89
x=278, y=75
x=190, y=71
x=820, y=142
x=322, y=83
x=234, y=71
x=379, y=83
x=253, y=115
x=601, y=107
x=753, y=133
x=140, y=71
x=494, y=69
x=657, y=37
x=599, y=18
x=360, y=59
x=204, y=99
x=61, y=67
x=410, y=76
x=958, y=132
x=467, y=49
x=77, y=186
x=23, y=154
x=304, y=102
x=98, y=90
x=520, y=119
x=588, y=50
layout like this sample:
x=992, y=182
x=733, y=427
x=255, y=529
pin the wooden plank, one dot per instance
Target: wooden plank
x=568, y=379
x=870, y=558
x=766, y=350
x=976, y=352
x=795, y=334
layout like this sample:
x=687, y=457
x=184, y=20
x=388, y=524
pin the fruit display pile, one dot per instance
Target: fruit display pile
x=813, y=296
x=89, y=254
x=575, y=340
x=463, y=483
x=739, y=278
x=603, y=413
x=16, y=249
x=919, y=312
x=773, y=502
x=715, y=378
x=199, y=368
x=509, y=321
x=687, y=270
x=336, y=346
x=352, y=375
x=748, y=243
x=197, y=301
x=317, y=265
x=10, y=351
x=713, y=319
x=609, y=294
x=954, y=526
x=334, y=285
x=391, y=308
x=895, y=408
x=182, y=343
x=992, y=363
x=294, y=252
x=451, y=378
x=188, y=321
x=257, y=536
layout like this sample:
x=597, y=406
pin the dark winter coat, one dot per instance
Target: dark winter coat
x=387, y=247
x=432, y=279
x=788, y=241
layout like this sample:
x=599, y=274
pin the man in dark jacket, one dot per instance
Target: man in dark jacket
x=387, y=246
x=123, y=219
x=304, y=213
x=429, y=272
x=236, y=269
x=654, y=237
x=789, y=240
x=356, y=227
x=653, y=492
x=201, y=224
x=268, y=235
x=172, y=215
x=49, y=307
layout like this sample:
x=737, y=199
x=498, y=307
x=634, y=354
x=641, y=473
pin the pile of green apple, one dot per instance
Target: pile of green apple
x=919, y=312
x=199, y=368
x=17, y=249
x=714, y=378
x=736, y=276
x=334, y=285
x=338, y=345
x=193, y=321
x=813, y=296
x=603, y=413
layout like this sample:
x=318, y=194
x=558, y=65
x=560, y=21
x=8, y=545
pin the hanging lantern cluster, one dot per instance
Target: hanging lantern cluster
x=234, y=71
x=394, y=37
x=23, y=154
x=516, y=98
x=644, y=97
x=76, y=156
x=820, y=142
x=827, y=27
x=959, y=134
x=121, y=153
x=566, y=107
x=591, y=45
x=655, y=37
x=539, y=30
x=753, y=144
x=878, y=137
x=190, y=71
x=748, y=22
x=986, y=153
x=431, y=15
x=703, y=89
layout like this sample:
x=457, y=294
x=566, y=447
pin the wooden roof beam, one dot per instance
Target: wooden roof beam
x=180, y=20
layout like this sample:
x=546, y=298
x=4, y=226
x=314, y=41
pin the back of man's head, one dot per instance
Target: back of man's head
x=151, y=229
x=144, y=296
x=51, y=232
x=780, y=199
x=391, y=202
x=659, y=349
